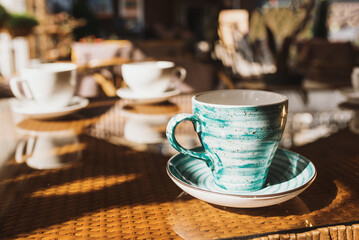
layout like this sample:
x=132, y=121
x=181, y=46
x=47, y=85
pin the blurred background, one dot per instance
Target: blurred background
x=221, y=43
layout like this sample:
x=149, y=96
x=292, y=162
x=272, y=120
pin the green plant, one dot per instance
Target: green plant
x=20, y=24
x=3, y=16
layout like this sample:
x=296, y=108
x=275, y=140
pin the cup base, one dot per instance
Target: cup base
x=245, y=185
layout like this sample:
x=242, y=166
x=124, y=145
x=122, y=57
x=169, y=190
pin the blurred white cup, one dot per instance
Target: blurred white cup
x=152, y=77
x=48, y=85
x=48, y=150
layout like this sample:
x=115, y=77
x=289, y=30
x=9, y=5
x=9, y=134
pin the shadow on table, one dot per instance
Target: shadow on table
x=107, y=177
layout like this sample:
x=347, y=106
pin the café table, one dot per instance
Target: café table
x=100, y=173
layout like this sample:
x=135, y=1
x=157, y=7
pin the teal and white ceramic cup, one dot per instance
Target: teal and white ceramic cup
x=240, y=131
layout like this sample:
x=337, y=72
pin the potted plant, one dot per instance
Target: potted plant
x=16, y=24
x=3, y=16
x=14, y=48
x=20, y=25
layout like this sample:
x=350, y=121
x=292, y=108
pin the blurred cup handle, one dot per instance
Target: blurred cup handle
x=25, y=94
x=25, y=149
x=181, y=73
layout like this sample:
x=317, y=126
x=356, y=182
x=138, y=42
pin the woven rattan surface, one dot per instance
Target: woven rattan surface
x=119, y=189
x=324, y=233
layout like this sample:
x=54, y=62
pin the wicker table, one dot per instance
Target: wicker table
x=116, y=186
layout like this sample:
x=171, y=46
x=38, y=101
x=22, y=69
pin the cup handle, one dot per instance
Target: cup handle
x=170, y=132
x=25, y=149
x=26, y=94
x=181, y=73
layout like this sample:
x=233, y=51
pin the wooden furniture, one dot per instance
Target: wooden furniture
x=102, y=60
x=329, y=63
x=104, y=73
x=119, y=188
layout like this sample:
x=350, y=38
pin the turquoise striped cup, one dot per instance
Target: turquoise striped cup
x=240, y=131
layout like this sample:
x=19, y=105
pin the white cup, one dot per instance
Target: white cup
x=152, y=77
x=355, y=78
x=48, y=150
x=48, y=85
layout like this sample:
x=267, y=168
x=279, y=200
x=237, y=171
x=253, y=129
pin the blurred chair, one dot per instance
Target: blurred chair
x=328, y=63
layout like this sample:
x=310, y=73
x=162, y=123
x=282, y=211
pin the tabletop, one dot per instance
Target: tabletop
x=101, y=173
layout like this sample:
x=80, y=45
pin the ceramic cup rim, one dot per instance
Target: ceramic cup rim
x=282, y=98
x=149, y=64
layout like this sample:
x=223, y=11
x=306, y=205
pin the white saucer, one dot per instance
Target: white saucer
x=128, y=94
x=289, y=175
x=351, y=95
x=76, y=104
